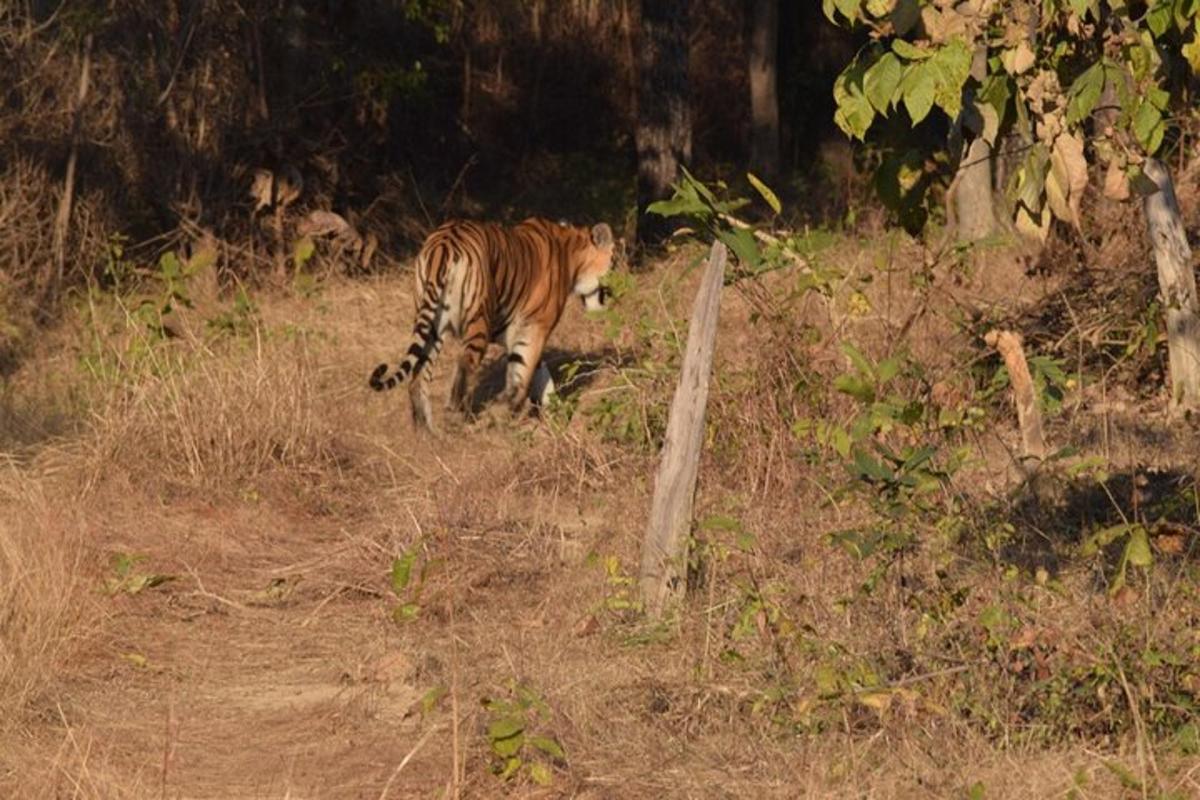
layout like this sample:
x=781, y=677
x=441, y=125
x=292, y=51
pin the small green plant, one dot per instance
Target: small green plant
x=517, y=736
x=1135, y=549
x=621, y=588
x=127, y=580
x=893, y=450
x=404, y=587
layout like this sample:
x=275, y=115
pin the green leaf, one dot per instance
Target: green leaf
x=764, y=190
x=1104, y=537
x=548, y=746
x=1159, y=18
x=858, y=360
x=882, y=80
x=431, y=698
x=917, y=89
x=869, y=467
x=169, y=266
x=888, y=369
x=402, y=571
x=910, y=51
x=952, y=69
x=854, y=112
x=741, y=241
x=1137, y=549
x=303, y=251
x=859, y=389
x=1031, y=178
x=406, y=612
x=848, y=9
x=541, y=774
x=1085, y=93
x=685, y=203
x=510, y=768
x=976, y=792
x=1147, y=126
x=507, y=736
x=1191, y=52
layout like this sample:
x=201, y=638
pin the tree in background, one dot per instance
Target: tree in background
x=1077, y=81
x=664, y=119
x=764, y=100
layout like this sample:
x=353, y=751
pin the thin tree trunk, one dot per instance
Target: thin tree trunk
x=1176, y=285
x=664, y=550
x=63, y=219
x=975, y=217
x=664, y=119
x=764, y=99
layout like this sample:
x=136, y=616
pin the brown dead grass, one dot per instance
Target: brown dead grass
x=274, y=493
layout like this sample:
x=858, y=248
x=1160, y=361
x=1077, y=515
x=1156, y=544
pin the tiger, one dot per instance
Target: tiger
x=485, y=282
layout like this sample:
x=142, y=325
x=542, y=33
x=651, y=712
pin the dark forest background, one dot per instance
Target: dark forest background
x=153, y=118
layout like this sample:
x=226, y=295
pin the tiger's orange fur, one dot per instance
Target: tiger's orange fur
x=485, y=282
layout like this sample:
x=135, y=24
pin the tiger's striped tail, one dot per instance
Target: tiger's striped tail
x=424, y=341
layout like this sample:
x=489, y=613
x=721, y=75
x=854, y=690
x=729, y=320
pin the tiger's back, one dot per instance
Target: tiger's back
x=486, y=282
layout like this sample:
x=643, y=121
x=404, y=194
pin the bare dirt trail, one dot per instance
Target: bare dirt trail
x=270, y=664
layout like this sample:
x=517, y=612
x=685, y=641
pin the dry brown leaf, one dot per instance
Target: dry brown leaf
x=1019, y=59
x=1172, y=544
x=1069, y=167
x=586, y=626
x=1116, y=182
x=1024, y=638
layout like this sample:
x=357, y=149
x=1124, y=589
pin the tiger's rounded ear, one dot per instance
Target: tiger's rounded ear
x=602, y=235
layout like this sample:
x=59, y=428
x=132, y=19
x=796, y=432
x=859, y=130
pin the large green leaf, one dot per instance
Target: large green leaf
x=1085, y=93
x=854, y=113
x=952, y=69
x=882, y=80
x=743, y=245
x=1147, y=126
x=917, y=89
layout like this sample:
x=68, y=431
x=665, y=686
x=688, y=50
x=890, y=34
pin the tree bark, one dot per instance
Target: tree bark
x=764, y=99
x=664, y=550
x=975, y=217
x=62, y=219
x=1176, y=285
x=664, y=119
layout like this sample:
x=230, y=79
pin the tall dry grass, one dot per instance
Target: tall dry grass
x=43, y=602
x=207, y=418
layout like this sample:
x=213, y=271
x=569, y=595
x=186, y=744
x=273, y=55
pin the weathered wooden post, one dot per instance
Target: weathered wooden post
x=1176, y=285
x=1029, y=416
x=664, y=549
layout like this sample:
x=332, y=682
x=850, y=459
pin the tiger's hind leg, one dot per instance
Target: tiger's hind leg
x=418, y=387
x=418, y=393
x=475, y=341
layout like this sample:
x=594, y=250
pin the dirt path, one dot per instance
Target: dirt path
x=269, y=663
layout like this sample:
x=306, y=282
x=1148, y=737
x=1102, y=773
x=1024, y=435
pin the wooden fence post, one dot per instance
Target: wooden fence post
x=1029, y=417
x=664, y=549
x=1176, y=285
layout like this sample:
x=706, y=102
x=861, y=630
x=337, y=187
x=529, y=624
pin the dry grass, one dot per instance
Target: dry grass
x=41, y=595
x=256, y=474
x=217, y=421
